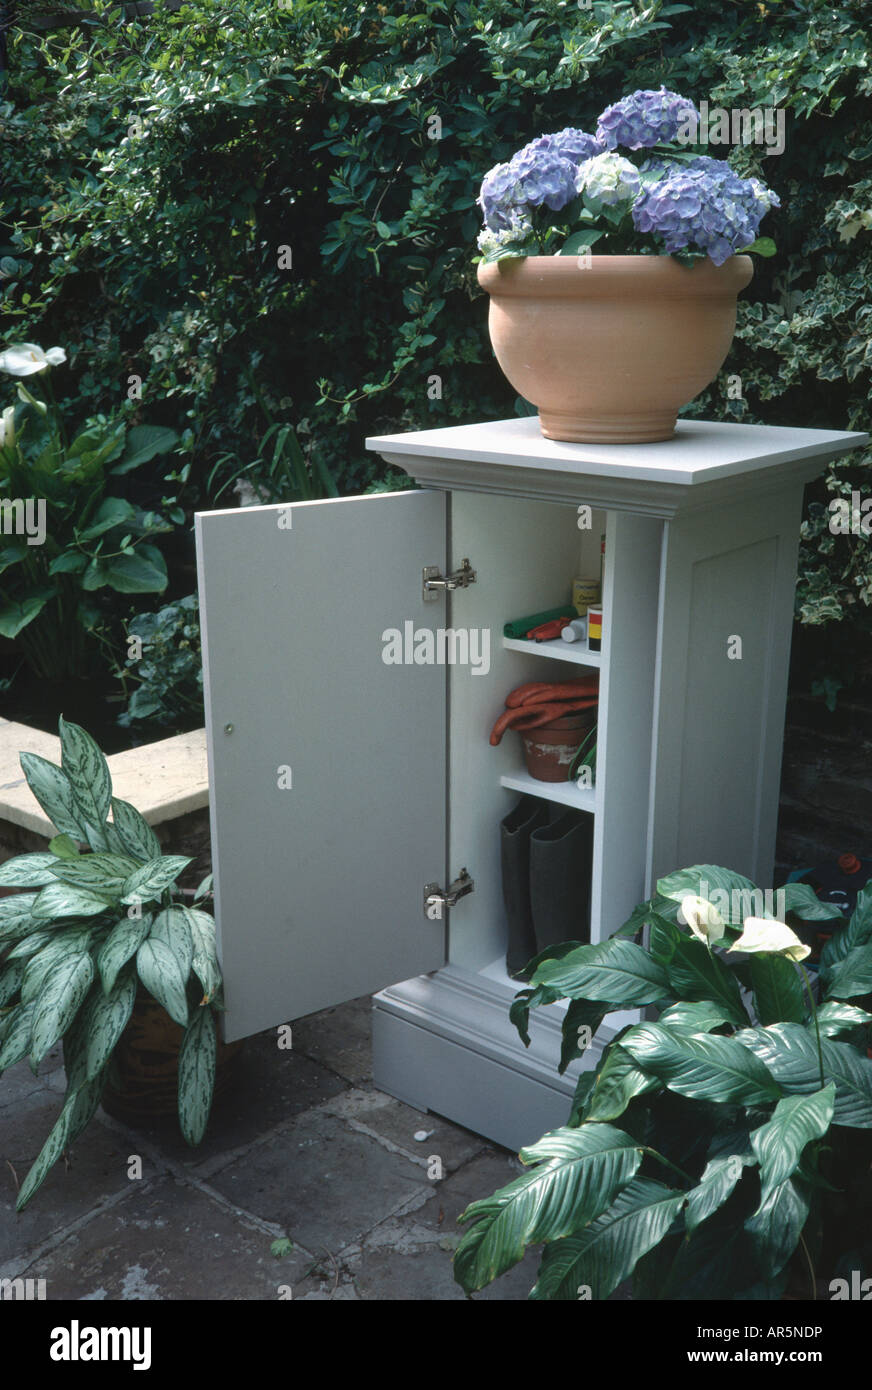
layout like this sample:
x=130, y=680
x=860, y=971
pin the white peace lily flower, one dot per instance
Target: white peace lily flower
x=765, y=934
x=7, y=428
x=24, y=359
x=703, y=918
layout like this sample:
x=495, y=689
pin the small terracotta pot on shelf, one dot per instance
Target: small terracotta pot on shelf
x=550, y=749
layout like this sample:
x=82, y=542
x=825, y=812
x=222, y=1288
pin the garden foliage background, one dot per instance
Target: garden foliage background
x=154, y=169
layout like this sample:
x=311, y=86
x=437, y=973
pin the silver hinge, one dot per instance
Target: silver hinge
x=436, y=901
x=435, y=583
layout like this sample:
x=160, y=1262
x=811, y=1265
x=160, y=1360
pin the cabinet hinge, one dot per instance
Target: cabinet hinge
x=436, y=901
x=435, y=583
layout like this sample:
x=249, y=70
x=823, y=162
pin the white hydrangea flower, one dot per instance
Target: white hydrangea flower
x=609, y=178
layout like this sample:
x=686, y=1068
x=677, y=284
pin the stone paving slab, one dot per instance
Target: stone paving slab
x=268, y=1087
x=97, y=1171
x=340, y=1039
x=399, y=1124
x=169, y=1240
x=323, y=1183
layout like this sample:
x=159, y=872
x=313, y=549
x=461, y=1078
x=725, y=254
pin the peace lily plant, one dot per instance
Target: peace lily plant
x=722, y=1151
x=96, y=922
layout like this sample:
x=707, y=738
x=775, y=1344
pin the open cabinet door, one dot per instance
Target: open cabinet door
x=327, y=765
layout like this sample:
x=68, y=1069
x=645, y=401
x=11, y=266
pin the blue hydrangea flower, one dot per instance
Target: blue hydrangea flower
x=609, y=178
x=574, y=144
x=537, y=175
x=702, y=205
x=645, y=118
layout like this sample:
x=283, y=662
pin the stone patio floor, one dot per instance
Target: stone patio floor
x=302, y=1146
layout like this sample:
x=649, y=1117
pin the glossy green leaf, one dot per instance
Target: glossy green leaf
x=778, y=994
x=696, y=1016
x=618, y=1081
x=718, y=1182
x=858, y=932
x=804, y=901
x=16, y=916
x=790, y=1053
x=834, y=1017
x=697, y=975
x=615, y=972
x=776, y=1225
x=606, y=1252
x=197, y=1074
x=577, y=1175
x=703, y=1066
x=851, y=976
x=779, y=1144
x=63, y=847
x=734, y=896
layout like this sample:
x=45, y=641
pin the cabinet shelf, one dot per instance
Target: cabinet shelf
x=566, y=793
x=557, y=649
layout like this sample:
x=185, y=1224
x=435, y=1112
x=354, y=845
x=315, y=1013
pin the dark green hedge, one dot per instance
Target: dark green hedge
x=154, y=170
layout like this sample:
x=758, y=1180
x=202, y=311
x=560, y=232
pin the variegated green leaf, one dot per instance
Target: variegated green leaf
x=197, y=1074
x=62, y=993
x=16, y=916
x=171, y=927
x=134, y=831
x=16, y=1040
x=78, y=1109
x=27, y=871
x=160, y=973
x=123, y=941
x=106, y=1017
x=63, y=900
x=101, y=874
x=10, y=981
x=205, y=962
x=152, y=878
x=51, y=787
x=30, y=945
x=87, y=772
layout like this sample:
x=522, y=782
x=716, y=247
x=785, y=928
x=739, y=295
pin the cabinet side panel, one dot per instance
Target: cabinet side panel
x=327, y=765
x=728, y=613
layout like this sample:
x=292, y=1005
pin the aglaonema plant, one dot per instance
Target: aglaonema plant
x=722, y=1151
x=97, y=924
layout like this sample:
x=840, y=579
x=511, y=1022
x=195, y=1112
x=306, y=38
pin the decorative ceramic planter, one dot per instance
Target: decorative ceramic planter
x=147, y=1059
x=609, y=348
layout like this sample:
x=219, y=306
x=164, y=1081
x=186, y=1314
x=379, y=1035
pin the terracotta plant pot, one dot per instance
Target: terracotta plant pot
x=550, y=749
x=610, y=348
x=147, y=1058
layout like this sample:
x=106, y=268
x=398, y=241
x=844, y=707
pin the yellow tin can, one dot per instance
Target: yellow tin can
x=584, y=593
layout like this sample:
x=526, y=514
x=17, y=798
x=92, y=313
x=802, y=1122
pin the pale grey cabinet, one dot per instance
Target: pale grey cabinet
x=351, y=777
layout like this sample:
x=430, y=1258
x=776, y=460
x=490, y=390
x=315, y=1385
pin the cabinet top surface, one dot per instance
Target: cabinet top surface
x=701, y=451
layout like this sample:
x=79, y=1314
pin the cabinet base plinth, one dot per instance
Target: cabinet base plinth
x=444, y=1042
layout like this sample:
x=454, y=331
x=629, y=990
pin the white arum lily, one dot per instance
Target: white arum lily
x=765, y=934
x=24, y=359
x=703, y=918
x=7, y=427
